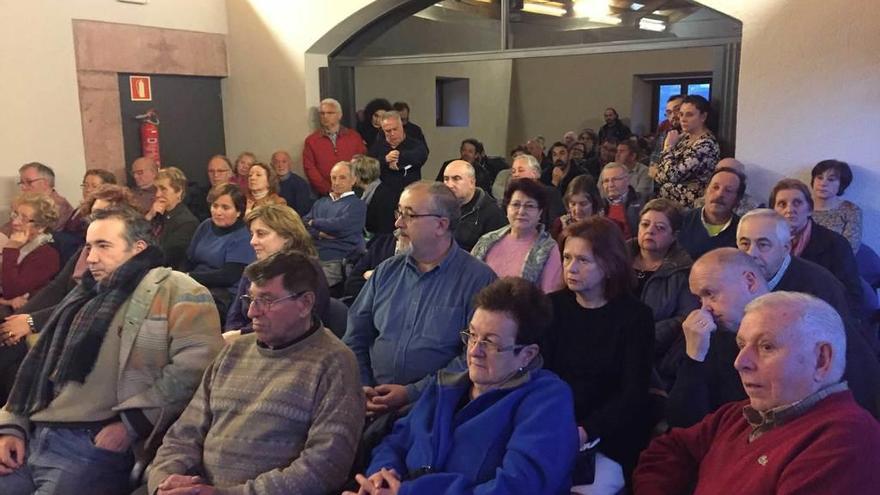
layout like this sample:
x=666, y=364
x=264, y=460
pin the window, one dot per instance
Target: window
x=665, y=88
x=453, y=102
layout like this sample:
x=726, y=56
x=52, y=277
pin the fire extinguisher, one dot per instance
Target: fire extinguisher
x=150, y=135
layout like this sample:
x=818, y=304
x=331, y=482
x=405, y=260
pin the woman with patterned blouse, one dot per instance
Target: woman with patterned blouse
x=689, y=157
x=830, y=180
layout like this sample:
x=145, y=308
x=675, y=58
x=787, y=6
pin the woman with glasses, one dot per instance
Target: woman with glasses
x=523, y=248
x=274, y=228
x=72, y=233
x=28, y=261
x=602, y=346
x=503, y=426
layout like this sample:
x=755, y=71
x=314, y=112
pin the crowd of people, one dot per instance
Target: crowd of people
x=609, y=314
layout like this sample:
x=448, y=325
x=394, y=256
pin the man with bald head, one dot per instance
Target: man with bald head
x=293, y=188
x=799, y=429
x=479, y=212
x=726, y=280
x=144, y=171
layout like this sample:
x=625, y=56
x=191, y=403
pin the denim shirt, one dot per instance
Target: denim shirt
x=404, y=326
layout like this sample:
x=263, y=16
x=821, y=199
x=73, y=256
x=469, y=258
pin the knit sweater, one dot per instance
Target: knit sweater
x=343, y=221
x=830, y=449
x=270, y=421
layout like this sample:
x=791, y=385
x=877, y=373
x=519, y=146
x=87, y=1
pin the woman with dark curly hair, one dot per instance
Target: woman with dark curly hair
x=371, y=125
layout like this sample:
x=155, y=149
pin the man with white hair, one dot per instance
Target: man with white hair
x=330, y=144
x=527, y=167
x=400, y=157
x=726, y=280
x=800, y=431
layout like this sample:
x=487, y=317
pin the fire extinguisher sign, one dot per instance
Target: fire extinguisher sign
x=140, y=88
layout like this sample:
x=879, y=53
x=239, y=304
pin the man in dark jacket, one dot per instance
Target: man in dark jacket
x=714, y=225
x=613, y=128
x=479, y=212
x=400, y=157
x=473, y=152
x=620, y=201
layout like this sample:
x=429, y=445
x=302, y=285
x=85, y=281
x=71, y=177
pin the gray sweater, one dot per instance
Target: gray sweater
x=265, y=421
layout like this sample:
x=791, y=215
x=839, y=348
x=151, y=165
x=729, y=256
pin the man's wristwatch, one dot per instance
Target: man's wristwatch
x=30, y=321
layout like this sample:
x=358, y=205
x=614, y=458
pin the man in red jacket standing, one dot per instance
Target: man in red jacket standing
x=329, y=145
x=800, y=431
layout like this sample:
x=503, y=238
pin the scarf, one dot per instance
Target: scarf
x=69, y=343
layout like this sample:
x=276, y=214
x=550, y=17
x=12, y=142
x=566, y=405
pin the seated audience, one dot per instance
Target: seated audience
x=583, y=200
x=115, y=364
x=713, y=225
x=472, y=152
x=172, y=222
x=370, y=128
x=336, y=223
x=607, y=153
x=28, y=261
x=399, y=346
x=72, y=233
x=791, y=198
x=689, y=156
x=502, y=426
x=292, y=188
x=525, y=166
x=622, y=204
x=219, y=249
x=504, y=176
x=662, y=268
x=569, y=138
x=747, y=203
x=381, y=200
x=277, y=412
x=589, y=138
x=35, y=177
x=601, y=345
x=479, y=212
x=262, y=187
x=726, y=280
x=219, y=171
x=830, y=179
x=275, y=229
x=800, y=431
x=34, y=310
x=639, y=178
x=330, y=144
x=144, y=171
x=524, y=248
x=577, y=153
x=535, y=148
x=241, y=177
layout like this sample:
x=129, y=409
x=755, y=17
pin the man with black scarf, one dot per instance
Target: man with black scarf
x=114, y=365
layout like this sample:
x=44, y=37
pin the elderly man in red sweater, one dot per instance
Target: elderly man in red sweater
x=329, y=145
x=800, y=431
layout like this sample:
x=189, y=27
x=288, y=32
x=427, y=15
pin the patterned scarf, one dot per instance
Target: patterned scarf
x=69, y=343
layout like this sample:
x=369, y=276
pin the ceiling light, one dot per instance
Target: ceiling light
x=543, y=9
x=636, y=6
x=649, y=24
x=591, y=8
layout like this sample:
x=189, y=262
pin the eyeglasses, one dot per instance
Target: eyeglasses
x=471, y=339
x=17, y=216
x=265, y=305
x=409, y=216
x=522, y=206
x=30, y=182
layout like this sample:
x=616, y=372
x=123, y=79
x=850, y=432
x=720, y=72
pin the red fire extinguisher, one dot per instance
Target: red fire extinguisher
x=150, y=135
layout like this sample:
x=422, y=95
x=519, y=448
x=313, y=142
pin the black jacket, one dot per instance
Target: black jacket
x=696, y=241
x=178, y=227
x=480, y=215
x=413, y=153
x=484, y=177
x=832, y=251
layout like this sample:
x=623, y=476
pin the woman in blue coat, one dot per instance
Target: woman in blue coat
x=504, y=426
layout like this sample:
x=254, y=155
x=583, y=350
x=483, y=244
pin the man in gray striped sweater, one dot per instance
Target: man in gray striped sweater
x=280, y=410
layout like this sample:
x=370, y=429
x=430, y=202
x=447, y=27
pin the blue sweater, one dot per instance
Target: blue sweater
x=342, y=219
x=519, y=439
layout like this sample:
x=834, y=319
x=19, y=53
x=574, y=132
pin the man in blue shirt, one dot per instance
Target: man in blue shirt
x=404, y=325
x=293, y=188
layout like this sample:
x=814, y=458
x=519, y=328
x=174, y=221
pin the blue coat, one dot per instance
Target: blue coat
x=519, y=439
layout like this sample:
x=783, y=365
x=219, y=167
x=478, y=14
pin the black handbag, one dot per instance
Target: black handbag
x=584, y=472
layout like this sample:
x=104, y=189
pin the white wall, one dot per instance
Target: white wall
x=415, y=84
x=553, y=95
x=38, y=90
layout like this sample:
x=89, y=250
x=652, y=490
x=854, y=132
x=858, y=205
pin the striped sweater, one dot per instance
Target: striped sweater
x=265, y=421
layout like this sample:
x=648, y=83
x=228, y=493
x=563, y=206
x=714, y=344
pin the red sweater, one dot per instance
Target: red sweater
x=834, y=448
x=34, y=271
x=319, y=156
